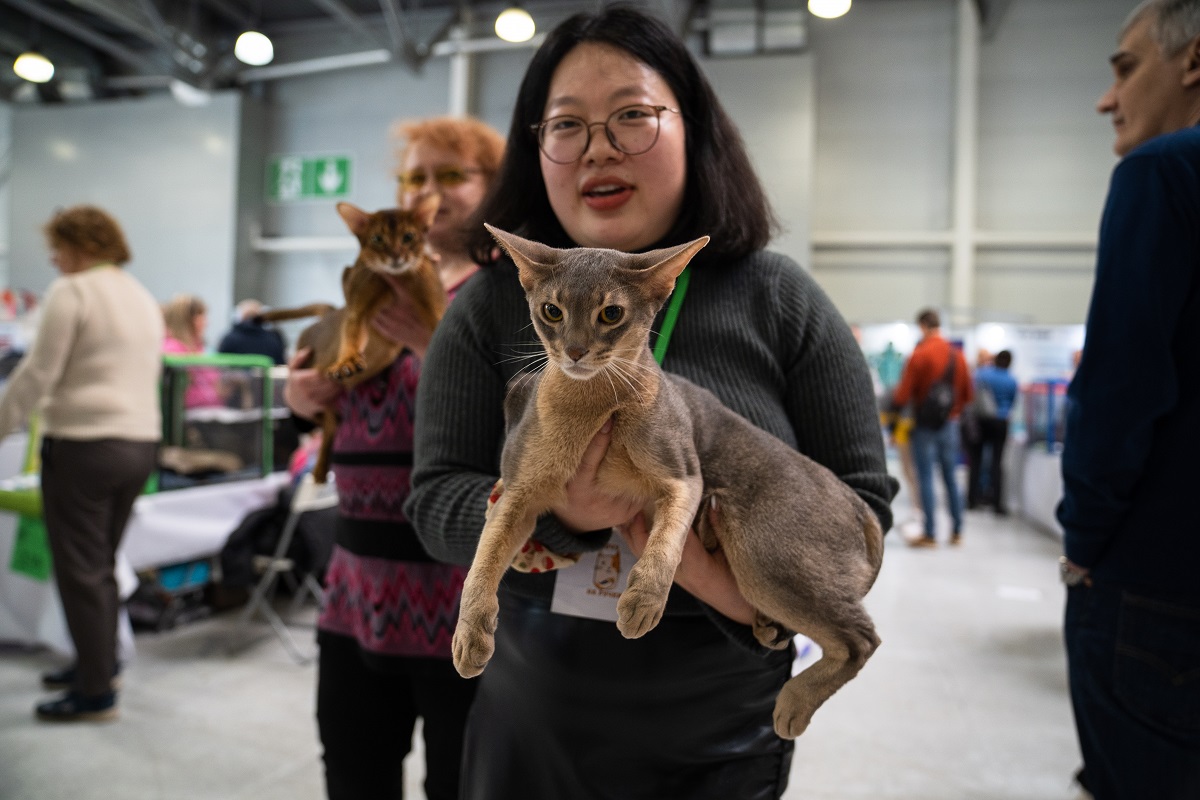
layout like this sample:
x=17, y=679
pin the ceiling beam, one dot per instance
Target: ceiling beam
x=84, y=34
x=232, y=13
x=339, y=11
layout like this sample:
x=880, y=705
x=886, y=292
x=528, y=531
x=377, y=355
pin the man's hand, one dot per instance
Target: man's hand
x=586, y=507
x=307, y=392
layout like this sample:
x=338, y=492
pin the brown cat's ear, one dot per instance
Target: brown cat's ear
x=355, y=218
x=426, y=210
x=531, y=258
x=663, y=266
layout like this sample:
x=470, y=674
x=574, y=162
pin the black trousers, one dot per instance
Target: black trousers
x=568, y=709
x=88, y=491
x=989, y=444
x=366, y=717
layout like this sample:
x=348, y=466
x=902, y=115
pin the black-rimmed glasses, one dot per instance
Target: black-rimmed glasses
x=633, y=130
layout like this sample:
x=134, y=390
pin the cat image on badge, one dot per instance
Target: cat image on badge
x=607, y=571
x=804, y=549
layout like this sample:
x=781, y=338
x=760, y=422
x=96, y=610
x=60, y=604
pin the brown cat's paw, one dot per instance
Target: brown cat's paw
x=346, y=368
x=638, y=612
x=472, y=648
x=770, y=633
x=791, y=716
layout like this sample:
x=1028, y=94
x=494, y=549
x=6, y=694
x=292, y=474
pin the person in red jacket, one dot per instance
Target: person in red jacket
x=936, y=440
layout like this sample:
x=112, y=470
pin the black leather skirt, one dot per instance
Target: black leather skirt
x=568, y=709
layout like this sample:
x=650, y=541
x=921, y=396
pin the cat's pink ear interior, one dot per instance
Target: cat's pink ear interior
x=426, y=210
x=527, y=255
x=355, y=218
x=670, y=261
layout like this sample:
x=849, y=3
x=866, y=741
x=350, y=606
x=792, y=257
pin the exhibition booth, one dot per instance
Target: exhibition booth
x=1044, y=359
x=218, y=463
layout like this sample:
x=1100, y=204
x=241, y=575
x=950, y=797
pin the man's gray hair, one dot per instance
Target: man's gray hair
x=1174, y=24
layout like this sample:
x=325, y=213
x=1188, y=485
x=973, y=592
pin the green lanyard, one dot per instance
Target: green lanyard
x=664, y=335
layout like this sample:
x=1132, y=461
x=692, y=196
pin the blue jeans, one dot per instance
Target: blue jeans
x=1134, y=669
x=939, y=446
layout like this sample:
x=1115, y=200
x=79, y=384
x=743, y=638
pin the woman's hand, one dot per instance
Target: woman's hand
x=706, y=576
x=307, y=392
x=399, y=322
x=586, y=507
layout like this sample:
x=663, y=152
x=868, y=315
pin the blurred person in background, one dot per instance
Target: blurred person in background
x=249, y=335
x=93, y=371
x=934, y=360
x=995, y=395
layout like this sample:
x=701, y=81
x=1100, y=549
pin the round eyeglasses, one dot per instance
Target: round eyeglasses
x=632, y=130
x=446, y=177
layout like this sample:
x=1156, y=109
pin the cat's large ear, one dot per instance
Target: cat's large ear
x=661, y=267
x=532, y=258
x=355, y=218
x=427, y=209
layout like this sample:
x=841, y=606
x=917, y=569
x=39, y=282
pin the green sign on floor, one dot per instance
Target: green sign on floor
x=295, y=178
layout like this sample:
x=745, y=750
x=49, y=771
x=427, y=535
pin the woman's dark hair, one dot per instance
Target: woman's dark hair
x=724, y=197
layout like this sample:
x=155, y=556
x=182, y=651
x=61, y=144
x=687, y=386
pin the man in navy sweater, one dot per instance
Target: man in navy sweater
x=1130, y=462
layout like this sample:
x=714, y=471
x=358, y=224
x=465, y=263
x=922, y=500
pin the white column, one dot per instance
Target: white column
x=966, y=145
x=461, y=75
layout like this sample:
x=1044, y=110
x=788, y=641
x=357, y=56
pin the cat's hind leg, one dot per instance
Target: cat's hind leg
x=847, y=639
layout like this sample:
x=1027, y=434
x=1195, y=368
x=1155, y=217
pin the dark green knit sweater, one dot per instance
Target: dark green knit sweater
x=760, y=334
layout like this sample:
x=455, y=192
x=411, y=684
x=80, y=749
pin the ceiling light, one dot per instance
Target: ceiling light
x=828, y=9
x=33, y=67
x=254, y=48
x=515, y=25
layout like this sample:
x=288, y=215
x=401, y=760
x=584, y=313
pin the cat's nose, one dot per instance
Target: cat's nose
x=576, y=353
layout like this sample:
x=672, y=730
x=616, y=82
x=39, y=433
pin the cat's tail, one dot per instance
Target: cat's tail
x=283, y=314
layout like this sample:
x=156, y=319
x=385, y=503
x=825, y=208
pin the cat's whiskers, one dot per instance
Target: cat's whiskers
x=631, y=380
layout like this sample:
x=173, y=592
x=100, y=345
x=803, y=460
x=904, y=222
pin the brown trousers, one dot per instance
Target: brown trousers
x=88, y=491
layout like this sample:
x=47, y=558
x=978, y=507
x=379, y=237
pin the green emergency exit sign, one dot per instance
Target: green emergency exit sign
x=292, y=178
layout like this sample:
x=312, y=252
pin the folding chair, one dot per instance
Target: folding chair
x=309, y=496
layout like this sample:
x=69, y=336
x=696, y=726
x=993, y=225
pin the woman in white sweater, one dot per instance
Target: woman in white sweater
x=92, y=373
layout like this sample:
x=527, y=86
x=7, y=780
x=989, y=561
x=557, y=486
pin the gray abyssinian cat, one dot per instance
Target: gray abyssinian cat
x=803, y=547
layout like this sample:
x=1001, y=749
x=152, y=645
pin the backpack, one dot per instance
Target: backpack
x=934, y=411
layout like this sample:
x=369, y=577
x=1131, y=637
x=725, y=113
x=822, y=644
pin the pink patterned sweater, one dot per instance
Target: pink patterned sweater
x=381, y=589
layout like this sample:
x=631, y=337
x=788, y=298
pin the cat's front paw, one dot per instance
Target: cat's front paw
x=473, y=643
x=346, y=368
x=638, y=612
x=795, y=705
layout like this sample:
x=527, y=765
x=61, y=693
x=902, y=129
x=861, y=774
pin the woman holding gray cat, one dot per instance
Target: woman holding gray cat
x=567, y=707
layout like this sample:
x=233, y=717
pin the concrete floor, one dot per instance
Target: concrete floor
x=965, y=700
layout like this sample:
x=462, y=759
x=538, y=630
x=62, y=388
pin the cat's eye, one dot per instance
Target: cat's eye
x=408, y=237
x=551, y=312
x=377, y=239
x=611, y=315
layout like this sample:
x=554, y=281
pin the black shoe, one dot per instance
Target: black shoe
x=65, y=678
x=75, y=707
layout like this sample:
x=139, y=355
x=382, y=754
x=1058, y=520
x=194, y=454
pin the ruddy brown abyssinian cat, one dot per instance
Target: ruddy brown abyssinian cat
x=345, y=346
x=803, y=547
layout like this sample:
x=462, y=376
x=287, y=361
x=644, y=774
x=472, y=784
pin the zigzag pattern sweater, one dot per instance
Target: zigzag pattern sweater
x=381, y=588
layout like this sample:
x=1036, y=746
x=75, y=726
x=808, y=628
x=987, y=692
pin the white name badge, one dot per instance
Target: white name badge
x=592, y=587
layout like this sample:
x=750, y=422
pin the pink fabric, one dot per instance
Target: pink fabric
x=203, y=382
